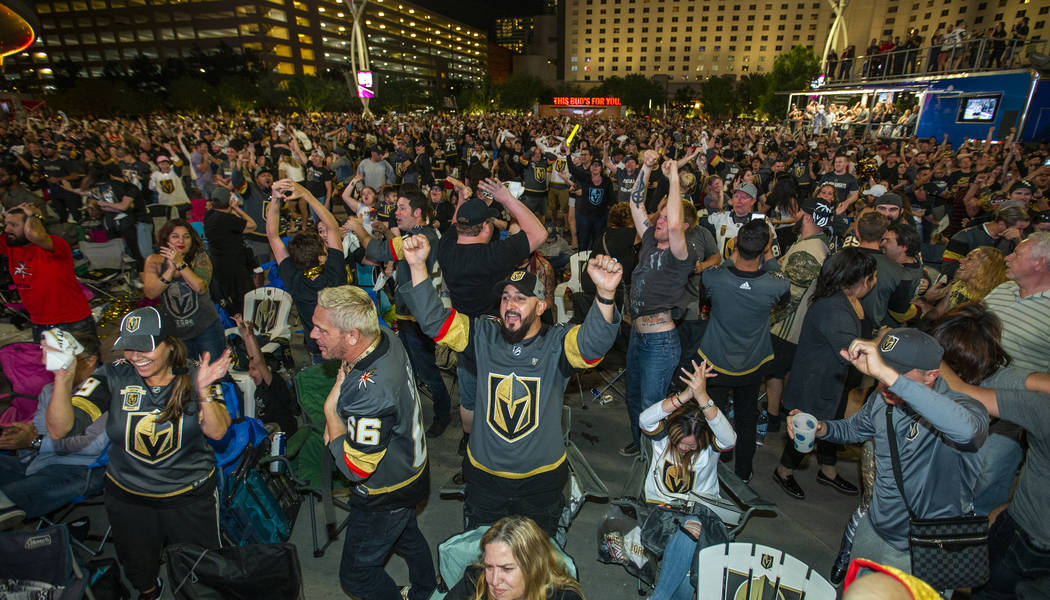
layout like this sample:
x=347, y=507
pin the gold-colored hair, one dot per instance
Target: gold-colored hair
x=541, y=566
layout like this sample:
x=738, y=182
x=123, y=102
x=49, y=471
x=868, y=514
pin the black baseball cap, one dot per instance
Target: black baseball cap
x=526, y=283
x=142, y=329
x=818, y=209
x=263, y=169
x=1022, y=185
x=474, y=212
x=905, y=349
x=891, y=199
x=221, y=194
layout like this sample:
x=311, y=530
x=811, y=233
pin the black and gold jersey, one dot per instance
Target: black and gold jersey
x=520, y=387
x=147, y=457
x=384, y=450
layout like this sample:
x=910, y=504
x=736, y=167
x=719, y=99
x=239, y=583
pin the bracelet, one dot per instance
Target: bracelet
x=164, y=281
x=608, y=301
x=36, y=216
x=676, y=400
x=710, y=403
x=181, y=267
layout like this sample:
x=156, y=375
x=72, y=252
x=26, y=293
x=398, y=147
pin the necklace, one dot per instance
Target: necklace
x=349, y=366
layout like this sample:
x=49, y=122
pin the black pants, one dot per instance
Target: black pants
x=744, y=389
x=484, y=504
x=826, y=454
x=141, y=529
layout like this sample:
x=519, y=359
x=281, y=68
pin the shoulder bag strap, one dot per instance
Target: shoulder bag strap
x=895, y=458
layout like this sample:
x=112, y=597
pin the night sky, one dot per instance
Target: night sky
x=481, y=13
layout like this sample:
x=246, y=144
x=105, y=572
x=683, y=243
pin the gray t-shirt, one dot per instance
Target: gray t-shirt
x=659, y=277
x=706, y=247
x=1028, y=507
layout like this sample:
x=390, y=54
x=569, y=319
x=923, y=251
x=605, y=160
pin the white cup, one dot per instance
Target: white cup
x=805, y=427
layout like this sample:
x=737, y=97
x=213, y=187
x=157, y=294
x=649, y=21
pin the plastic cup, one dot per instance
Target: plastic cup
x=805, y=427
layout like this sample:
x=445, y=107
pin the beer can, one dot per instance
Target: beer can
x=278, y=442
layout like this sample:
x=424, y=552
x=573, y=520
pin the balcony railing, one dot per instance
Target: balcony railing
x=971, y=55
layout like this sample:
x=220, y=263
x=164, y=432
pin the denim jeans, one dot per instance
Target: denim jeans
x=86, y=325
x=1013, y=559
x=588, y=229
x=145, y=238
x=468, y=385
x=370, y=537
x=673, y=582
x=651, y=362
x=420, y=349
x=49, y=488
x=1000, y=457
x=212, y=339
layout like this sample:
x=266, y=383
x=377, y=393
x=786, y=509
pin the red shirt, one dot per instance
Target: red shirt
x=45, y=281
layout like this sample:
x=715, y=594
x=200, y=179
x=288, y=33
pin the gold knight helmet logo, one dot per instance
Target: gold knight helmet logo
x=889, y=342
x=513, y=405
x=149, y=440
x=132, y=324
x=678, y=480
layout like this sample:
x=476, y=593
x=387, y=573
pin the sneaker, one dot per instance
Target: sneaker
x=405, y=589
x=11, y=518
x=155, y=593
x=841, y=485
x=438, y=426
x=631, y=449
x=789, y=485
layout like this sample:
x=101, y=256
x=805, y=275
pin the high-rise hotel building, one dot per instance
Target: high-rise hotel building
x=292, y=37
x=689, y=40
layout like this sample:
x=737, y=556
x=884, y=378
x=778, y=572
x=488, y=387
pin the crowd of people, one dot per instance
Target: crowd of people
x=895, y=289
x=950, y=48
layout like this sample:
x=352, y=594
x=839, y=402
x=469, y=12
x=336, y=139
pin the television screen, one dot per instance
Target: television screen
x=978, y=109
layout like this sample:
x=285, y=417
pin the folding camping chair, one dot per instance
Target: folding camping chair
x=41, y=564
x=309, y=458
x=92, y=498
x=107, y=266
x=745, y=570
x=577, y=265
x=459, y=551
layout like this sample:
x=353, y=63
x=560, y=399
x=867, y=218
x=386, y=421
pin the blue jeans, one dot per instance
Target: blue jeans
x=1000, y=457
x=212, y=339
x=1013, y=559
x=651, y=362
x=49, y=488
x=370, y=537
x=145, y=238
x=468, y=385
x=420, y=349
x=673, y=582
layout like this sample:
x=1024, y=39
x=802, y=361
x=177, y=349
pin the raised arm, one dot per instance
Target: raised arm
x=332, y=238
x=273, y=223
x=526, y=219
x=675, y=219
x=34, y=227
x=641, y=218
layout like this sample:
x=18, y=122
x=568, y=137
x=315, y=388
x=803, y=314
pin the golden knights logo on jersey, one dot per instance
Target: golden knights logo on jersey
x=540, y=173
x=678, y=480
x=132, y=396
x=149, y=440
x=167, y=186
x=513, y=405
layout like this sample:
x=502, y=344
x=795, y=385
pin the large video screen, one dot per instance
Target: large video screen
x=978, y=109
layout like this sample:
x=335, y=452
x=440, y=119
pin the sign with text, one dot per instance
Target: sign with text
x=364, y=85
x=586, y=101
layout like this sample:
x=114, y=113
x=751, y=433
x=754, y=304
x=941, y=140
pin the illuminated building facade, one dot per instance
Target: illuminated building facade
x=689, y=40
x=292, y=37
x=515, y=33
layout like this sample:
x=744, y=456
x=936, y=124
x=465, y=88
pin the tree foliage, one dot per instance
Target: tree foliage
x=719, y=96
x=792, y=71
x=635, y=91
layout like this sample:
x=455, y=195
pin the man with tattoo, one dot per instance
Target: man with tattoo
x=664, y=264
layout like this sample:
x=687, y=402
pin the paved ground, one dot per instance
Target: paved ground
x=810, y=529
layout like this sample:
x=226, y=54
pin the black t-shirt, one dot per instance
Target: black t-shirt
x=274, y=404
x=224, y=232
x=471, y=270
x=843, y=184
x=315, y=179
x=304, y=289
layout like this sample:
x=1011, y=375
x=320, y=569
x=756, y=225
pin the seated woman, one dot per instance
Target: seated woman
x=980, y=271
x=517, y=562
x=687, y=431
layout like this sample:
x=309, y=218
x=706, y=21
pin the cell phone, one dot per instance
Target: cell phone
x=1046, y=163
x=757, y=216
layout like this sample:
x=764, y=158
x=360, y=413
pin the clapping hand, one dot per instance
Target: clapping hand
x=211, y=371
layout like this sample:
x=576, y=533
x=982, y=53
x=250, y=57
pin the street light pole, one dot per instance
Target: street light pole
x=358, y=49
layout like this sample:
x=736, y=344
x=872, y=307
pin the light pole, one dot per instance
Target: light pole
x=838, y=27
x=358, y=52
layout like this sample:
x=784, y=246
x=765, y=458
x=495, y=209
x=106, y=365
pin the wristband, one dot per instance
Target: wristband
x=607, y=301
x=164, y=281
x=181, y=267
x=36, y=216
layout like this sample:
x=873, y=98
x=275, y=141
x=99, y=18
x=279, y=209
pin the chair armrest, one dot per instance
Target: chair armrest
x=232, y=331
x=741, y=491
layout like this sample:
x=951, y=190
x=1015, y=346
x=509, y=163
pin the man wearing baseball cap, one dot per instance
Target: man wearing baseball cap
x=891, y=206
x=937, y=432
x=727, y=223
x=515, y=461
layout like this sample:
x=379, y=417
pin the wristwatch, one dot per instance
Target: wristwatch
x=35, y=444
x=181, y=267
x=710, y=403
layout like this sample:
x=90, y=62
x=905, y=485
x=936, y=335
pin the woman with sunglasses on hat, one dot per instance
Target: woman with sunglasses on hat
x=161, y=479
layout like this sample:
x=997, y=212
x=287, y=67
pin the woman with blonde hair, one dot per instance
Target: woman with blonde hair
x=979, y=272
x=517, y=562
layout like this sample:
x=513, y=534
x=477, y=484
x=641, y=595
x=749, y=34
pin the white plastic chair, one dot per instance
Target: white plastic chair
x=268, y=309
x=737, y=569
x=577, y=265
